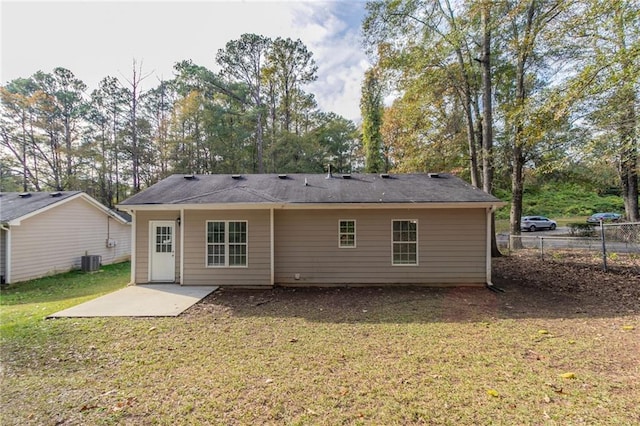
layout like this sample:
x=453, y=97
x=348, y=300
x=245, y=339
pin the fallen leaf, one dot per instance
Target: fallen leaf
x=628, y=327
x=88, y=407
x=543, y=332
x=492, y=392
x=568, y=375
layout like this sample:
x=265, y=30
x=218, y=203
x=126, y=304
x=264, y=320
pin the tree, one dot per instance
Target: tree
x=526, y=33
x=107, y=113
x=19, y=102
x=134, y=93
x=605, y=40
x=429, y=49
x=289, y=65
x=244, y=60
x=63, y=108
x=158, y=103
x=338, y=140
x=487, y=116
x=371, y=107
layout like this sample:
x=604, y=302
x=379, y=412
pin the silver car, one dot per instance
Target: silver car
x=534, y=223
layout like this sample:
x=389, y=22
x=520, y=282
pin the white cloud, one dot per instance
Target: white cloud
x=96, y=39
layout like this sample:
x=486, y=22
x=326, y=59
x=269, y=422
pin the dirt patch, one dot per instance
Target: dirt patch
x=573, y=278
x=532, y=288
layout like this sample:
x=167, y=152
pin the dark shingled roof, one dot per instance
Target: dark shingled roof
x=274, y=189
x=13, y=205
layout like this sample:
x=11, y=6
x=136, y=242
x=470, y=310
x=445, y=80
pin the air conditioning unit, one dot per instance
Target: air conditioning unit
x=90, y=263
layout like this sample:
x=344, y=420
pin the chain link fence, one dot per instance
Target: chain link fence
x=615, y=244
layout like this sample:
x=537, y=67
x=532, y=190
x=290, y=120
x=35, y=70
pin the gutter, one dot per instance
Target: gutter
x=308, y=206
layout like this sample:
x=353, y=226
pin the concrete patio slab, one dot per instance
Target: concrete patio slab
x=149, y=300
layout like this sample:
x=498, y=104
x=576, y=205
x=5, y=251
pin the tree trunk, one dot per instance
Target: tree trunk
x=67, y=140
x=259, y=141
x=517, y=191
x=487, y=118
x=471, y=137
x=627, y=128
x=518, y=160
x=629, y=165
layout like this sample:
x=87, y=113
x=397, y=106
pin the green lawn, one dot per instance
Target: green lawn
x=320, y=357
x=24, y=305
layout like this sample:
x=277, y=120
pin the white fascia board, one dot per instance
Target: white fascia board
x=308, y=206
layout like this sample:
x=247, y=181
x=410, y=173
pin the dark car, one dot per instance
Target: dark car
x=604, y=217
x=534, y=223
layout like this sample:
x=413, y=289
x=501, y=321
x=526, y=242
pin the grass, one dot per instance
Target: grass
x=328, y=357
x=25, y=304
x=568, y=201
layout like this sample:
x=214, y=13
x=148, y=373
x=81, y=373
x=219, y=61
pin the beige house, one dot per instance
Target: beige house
x=45, y=233
x=313, y=230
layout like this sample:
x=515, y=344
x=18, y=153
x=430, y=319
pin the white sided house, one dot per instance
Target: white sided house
x=312, y=230
x=44, y=233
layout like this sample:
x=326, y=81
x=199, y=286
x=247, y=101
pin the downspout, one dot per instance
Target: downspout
x=272, y=247
x=133, y=247
x=7, y=257
x=489, y=284
x=182, y=226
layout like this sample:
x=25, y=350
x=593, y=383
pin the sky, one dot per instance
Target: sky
x=98, y=39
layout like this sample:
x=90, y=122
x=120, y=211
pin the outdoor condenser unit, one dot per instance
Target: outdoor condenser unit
x=90, y=263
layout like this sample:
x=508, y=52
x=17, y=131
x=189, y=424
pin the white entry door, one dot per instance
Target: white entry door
x=162, y=264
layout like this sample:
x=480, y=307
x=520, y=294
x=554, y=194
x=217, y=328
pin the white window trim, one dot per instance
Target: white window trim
x=355, y=234
x=416, y=242
x=226, y=244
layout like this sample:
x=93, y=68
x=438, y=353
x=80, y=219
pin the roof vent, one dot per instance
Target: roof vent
x=189, y=177
x=236, y=177
x=24, y=195
x=282, y=176
x=433, y=175
x=347, y=176
x=329, y=174
x=306, y=182
x=384, y=175
x=55, y=194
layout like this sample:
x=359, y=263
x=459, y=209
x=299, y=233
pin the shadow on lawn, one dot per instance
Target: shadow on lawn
x=531, y=290
x=402, y=304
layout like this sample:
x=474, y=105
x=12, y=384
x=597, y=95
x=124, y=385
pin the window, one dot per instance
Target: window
x=347, y=234
x=404, y=242
x=163, y=239
x=227, y=243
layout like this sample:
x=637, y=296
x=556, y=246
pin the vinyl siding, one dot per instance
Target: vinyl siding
x=55, y=240
x=451, y=247
x=258, y=270
x=142, y=242
x=193, y=224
